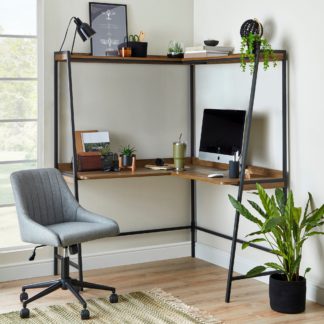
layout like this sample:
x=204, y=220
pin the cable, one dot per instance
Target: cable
x=67, y=29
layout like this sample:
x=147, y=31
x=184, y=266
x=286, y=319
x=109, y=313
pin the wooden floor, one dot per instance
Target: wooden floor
x=194, y=281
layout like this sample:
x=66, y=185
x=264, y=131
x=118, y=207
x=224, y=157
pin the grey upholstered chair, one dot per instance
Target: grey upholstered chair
x=49, y=214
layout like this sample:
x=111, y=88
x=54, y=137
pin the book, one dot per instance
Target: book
x=95, y=141
x=212, y=48
x=204, y=54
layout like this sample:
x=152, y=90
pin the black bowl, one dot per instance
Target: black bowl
x=211, y=42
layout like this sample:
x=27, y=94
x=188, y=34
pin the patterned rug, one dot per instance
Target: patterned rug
x=150, y=307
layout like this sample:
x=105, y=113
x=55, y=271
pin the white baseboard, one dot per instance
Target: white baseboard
x=221, y=258
x=42, y=268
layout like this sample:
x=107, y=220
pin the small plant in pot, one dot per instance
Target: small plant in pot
x=107, y=158
x=127, y=153
x=175, y=50
x=251, y=38
x=285, y=228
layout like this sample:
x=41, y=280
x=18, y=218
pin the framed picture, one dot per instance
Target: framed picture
x=110, y=23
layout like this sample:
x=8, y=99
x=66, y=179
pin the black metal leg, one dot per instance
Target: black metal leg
x=232, y=259
x=80, y=265
x=39, y=285
x=246, y=140
x=76, y=294
x=55, y=263
x=192, y=152
x=96, y=286
x=43, y=293
x=193, y=218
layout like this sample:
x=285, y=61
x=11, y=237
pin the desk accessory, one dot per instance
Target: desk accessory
x=125, y=51
x=175, y=50
x=127, y=158
x=234, y=166
x=211, y=42
x=216, y=175
x=179, y=151
x=83, y=29
x=136, y=43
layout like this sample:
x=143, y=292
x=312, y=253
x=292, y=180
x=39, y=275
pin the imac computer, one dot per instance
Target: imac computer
x=221, y=134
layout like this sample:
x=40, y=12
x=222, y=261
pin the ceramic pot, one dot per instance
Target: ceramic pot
x=287, y=296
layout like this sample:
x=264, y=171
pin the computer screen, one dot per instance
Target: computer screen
x=221, y=134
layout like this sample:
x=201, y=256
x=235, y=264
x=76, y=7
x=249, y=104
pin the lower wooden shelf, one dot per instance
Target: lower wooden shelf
x=195, y=170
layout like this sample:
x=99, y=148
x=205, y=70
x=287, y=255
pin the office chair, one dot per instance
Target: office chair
x=48, y=214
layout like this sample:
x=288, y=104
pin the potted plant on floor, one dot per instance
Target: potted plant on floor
x=251, y=38
x=285, y=228
x=127, y=154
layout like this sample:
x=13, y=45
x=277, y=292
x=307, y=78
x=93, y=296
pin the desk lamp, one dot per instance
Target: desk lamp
x=83, y=29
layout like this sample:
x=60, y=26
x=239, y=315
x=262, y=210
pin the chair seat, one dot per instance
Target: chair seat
x=71, y=233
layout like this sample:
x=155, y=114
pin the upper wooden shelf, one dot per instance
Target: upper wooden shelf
x=157, y=59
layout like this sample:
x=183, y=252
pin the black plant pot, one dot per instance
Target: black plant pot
x=127, y=160
x=107, y=161
x=287, y=296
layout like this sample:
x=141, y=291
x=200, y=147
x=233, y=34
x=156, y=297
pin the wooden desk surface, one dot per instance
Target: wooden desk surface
x=196, y=170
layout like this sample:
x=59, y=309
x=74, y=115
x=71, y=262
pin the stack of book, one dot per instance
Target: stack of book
x=206, y=51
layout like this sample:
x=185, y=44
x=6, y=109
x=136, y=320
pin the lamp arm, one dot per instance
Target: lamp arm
x=67, y=29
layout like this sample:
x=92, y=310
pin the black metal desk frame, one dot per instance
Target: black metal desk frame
x=193, y=225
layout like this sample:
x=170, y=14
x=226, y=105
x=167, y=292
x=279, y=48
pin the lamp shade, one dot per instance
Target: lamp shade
x=83, y=29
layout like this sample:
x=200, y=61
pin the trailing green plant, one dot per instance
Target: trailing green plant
x=247, y=52
x=127, y=150
x=284, y=227
x=105, y=150
x=175, y=48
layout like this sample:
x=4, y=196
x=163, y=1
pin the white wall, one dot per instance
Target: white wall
x=296, y=27
x=142, y=105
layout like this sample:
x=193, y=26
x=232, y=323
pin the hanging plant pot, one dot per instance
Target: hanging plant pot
x=287, y=296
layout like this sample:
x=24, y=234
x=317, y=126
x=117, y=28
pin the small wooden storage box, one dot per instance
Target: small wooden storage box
x=89, y=161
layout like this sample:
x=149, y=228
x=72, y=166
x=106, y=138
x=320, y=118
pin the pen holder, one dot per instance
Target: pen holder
x=234, y=169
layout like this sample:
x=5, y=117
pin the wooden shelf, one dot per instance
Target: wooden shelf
x=197, y=170
x=157, y=59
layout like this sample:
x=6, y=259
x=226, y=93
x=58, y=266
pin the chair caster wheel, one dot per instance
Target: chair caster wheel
x=24, y=313
x=23, y=296
x=113, y=298
x=85, y=314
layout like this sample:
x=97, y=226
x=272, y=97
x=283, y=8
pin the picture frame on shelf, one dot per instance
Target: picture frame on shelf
x=110, y=23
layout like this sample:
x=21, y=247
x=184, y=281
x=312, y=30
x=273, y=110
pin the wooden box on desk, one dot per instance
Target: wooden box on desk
x=89, y=161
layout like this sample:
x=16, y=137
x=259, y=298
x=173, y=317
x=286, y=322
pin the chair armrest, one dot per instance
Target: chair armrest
x=84, y=215
x=33, y=232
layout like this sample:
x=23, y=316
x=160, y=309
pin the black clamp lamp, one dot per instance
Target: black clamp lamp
x=84, y=30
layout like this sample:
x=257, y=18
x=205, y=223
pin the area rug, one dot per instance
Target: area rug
x=150, y=307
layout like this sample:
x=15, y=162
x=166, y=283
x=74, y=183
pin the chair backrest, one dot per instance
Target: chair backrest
x=43, y=196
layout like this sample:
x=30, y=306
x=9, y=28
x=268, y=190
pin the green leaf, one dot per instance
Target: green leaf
x=265, y=199
x=307, y=270
x=297, y=211
x=315, y=218
x=280, y=253
x=256, y=271
x=280, y=197
x=254, y=233
x=271, y=223
x=295, y=265
x=258, y=208
x=243, y=211
x=275, y=266
x=314, y=233
x=246, y=244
